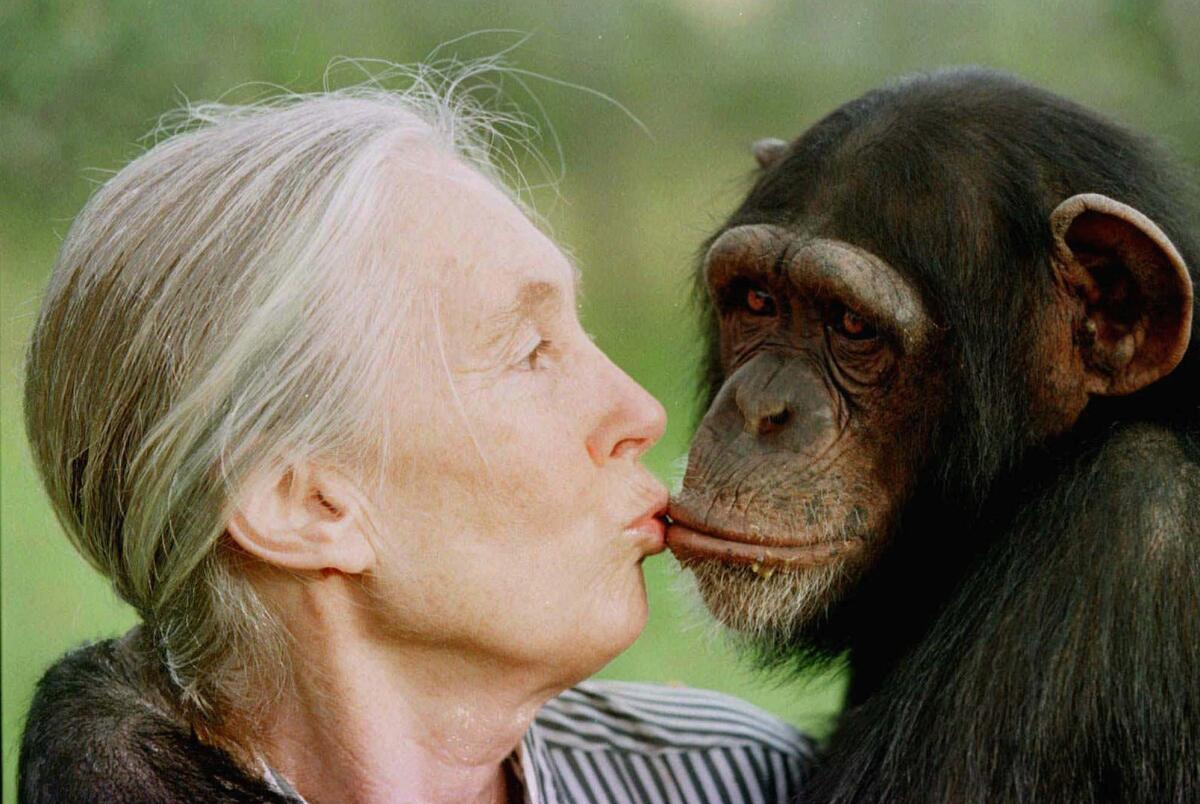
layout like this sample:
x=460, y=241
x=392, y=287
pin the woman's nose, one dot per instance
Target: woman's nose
x=634, y=422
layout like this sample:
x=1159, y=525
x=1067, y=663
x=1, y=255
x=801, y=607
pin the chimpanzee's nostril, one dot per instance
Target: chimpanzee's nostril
x=779, y=419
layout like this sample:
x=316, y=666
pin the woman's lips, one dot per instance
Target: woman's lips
x=650, y=533
x=649, y=530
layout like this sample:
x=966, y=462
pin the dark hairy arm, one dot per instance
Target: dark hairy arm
x=1066, y=666
x=101, y=730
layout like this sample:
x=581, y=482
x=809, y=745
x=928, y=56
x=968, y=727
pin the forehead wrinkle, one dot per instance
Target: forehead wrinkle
x=535, y=299
x=861, y=276
x=536, y=296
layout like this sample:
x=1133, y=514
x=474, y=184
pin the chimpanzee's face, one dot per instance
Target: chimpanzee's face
x=919, y=295
x=809, y=449
x=836, y=379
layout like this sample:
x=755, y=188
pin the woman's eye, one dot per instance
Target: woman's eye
x=533, y=360
x=850, y=324
x=759, y=301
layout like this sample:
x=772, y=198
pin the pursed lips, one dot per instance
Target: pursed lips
x=649, y=528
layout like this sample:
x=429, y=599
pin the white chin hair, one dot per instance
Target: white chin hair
x=767, y=605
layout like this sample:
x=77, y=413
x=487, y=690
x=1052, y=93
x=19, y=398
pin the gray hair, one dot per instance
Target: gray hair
x=191, y=331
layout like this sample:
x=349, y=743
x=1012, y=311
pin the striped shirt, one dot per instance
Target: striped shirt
x=614, y=742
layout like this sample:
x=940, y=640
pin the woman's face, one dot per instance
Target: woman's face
x=518, y=511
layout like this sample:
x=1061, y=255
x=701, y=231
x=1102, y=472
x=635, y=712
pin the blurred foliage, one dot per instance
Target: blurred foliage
x=82, y=80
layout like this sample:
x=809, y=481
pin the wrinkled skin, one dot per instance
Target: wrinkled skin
x=822, y=344
x=806, y=454
x=953, y=435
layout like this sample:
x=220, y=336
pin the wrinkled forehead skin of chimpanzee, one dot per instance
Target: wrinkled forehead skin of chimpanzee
x=950, y=181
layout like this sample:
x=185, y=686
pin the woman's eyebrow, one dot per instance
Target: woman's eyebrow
x=533, y=299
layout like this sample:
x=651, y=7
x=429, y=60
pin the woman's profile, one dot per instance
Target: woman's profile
x=309, y=387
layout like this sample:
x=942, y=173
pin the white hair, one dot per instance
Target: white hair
x=191, y=330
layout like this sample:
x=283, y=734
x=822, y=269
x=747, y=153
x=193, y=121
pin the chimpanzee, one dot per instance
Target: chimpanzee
x=953, y=434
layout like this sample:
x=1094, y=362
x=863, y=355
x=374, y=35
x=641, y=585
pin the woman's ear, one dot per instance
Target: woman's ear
x=1132, y=286
x=303, y=517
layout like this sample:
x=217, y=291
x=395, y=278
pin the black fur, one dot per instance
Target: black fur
x=1034, y=633
x=102, y=728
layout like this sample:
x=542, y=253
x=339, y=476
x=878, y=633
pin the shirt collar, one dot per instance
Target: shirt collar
x=535, y=768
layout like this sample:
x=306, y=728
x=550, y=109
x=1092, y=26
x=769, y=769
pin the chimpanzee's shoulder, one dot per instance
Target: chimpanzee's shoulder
x=1152, y=475
x=100, y=728
x=1148, y=448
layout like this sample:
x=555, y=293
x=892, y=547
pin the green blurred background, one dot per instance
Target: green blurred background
x=81, y=81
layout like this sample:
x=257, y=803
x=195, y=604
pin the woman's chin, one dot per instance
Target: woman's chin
x=624, y=631
x=603, y=636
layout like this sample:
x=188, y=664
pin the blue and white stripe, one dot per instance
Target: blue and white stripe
x=610, y=742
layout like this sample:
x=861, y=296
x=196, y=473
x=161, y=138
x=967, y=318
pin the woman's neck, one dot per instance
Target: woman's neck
x=369, y=722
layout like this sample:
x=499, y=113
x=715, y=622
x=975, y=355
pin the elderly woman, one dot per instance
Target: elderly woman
x=310, y=389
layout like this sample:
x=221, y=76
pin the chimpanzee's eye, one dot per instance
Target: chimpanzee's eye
x=759, y=301
x=850, y=324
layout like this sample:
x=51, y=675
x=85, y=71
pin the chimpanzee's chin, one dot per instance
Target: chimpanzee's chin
x=769, y=605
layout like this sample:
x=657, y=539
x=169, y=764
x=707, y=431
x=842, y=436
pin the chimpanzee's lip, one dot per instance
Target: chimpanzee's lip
x=690, y=542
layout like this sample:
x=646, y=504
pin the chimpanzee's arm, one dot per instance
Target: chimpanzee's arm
x=1067, y=668
x=97, y=732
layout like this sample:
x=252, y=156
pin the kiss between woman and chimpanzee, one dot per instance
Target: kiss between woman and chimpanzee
x=954, y=433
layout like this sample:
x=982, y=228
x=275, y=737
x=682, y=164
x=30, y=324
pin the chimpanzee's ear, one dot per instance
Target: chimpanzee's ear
x=1134, y=289
x=768, y=151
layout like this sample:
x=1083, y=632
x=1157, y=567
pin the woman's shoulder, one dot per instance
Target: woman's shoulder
x=100, y=728
x=670, y=742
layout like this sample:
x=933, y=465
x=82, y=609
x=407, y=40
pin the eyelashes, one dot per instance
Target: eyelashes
x=849, y=324
x=752, y=299
x=534, y=359
x=759, y=302
x=749, y=298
